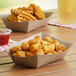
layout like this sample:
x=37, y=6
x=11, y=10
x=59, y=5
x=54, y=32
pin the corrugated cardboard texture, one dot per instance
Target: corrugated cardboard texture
x=26, y=26
x=38, y=60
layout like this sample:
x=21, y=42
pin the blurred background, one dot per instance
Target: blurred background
x=5, y=6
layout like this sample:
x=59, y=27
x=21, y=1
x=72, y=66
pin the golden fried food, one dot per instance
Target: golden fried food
x=55, y=42
x=39, y=13
x=26, y=16
x=45, y=43
x=19, y=54
x=49, y=53
x=28, y=53
x=37, y=36
x=15, y=54
x=38, y=46
x=34, y=41
x=40, y=52
x=54, y=52
x=48, y=39
x=35, y=47
x=52, y=47
x=46, y=48
x=63, y=47
x=60, y=47
x=32, y=12
x=12, y=18
x=16, y=49
x=60, y=51
x=25, y=46
x=57, y=47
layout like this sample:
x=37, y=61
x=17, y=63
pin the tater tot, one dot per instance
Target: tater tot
x=40, y=52
x=38, y=46
x=20, y=54
x=45, y=43
x=25, y=46
x=34, y=41
x=52, y=47
x=55, y=42
x=15, y=54
x=16, y=48
x=49, y=53
x=35, y=47
x=57, y=48
x=63, y=47
x=46, y=49
x=47, y=39
x=37, y=36
x=29, y=53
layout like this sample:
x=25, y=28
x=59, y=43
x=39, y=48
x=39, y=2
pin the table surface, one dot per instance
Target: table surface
x=66, y=66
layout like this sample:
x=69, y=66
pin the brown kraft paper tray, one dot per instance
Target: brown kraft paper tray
x=26, y=26
x=37, y=61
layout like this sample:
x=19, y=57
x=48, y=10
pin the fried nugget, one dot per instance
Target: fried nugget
x=34, y=41
x=28, y=53
x=37, y=36
x=16, y=49
x=19, y=54
x=45, y=43
x=47, y=39
x=46, y=48
x=49, y=53
x=40, y=52
x=35, y=47
x=25, y=46
x=63, y=47
x=57, y=47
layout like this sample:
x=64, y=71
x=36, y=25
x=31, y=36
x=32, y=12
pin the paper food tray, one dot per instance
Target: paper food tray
x=26, y=26
x=37, y=61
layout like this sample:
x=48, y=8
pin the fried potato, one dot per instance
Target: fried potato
x=45, y=43
x=15, y=54
x=30, y=13
x=19, y=54
x=47, y=39
x=57, y=47
x=16, y=49
x=34, y=41
x=12, y=18
x=63, y=47
x=25, y=46
x=49, y=53
x=46, y=48
x=40, y=52
x=38, y=46
x=52, y=47
x=54, y=52
x=28, y=53
x=35, y=47
x=39, y=13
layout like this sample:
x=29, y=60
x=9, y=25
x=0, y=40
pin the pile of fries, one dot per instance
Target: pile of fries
x=30, y=13
x=38, y=46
